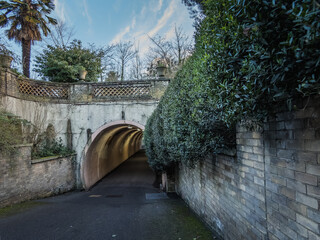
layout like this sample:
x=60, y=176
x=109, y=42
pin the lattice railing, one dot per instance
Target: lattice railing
x=43, y=89
x=122, y=90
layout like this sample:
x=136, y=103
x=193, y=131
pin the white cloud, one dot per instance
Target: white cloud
x=158, y=8
x=119, y=37
x=133, y=23
x=171, y=33
x=60, y=10
x=164, y=19
x=86, y=11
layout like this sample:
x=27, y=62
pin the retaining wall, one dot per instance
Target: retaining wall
x=271, y=188
x=23, y=179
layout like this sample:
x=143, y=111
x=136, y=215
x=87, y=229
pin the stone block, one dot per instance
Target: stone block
x=244, y=148
x=306, y=157
x=272, y=186
x=306, y=178
x=302, y=231
x=285, y=172
x=297, y=207
x=278, y=180
x=298, y=186
x=287, y=212
x=287, y=154
x=297, y=166
x=280, y=199
x=258, y=165
x=307, y=200
x=304, y=134
x=257, y=150
x=314, y=215
x=313, y=236
x=313, y=169
x=313, y=191
x=294, y=144
x=258, y=181
x=312, y=145
x=289, y=193
x=311, y=225
x=289, y=232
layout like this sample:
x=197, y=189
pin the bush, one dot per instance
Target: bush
x=249, y=55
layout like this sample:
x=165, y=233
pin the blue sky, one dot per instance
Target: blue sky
x=105, y=22
x=109, y=21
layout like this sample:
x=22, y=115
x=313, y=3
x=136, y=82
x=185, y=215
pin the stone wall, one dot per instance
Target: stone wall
x=86, y=106
x=271, y=188
x=23, y=179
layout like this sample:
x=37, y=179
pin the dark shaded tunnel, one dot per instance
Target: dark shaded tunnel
x=110, y=146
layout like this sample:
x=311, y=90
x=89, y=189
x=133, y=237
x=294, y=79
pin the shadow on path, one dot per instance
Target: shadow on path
x=116, y=208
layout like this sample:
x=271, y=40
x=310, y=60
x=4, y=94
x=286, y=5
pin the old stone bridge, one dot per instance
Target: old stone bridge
x=102, y=122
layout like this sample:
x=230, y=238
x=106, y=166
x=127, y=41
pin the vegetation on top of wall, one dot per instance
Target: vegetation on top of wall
x=248, y=56
x=45, y=144
x=55, y=148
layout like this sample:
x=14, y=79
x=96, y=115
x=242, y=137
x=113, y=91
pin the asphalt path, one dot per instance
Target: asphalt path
x=125, y=205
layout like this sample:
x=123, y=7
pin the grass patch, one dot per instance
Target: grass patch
x=189, y=223
x=18, y=208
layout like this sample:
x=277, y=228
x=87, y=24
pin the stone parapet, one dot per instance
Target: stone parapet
x=14, y=85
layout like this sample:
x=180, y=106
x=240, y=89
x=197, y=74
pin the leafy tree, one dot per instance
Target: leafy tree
x=62, y=65
x=27, y=18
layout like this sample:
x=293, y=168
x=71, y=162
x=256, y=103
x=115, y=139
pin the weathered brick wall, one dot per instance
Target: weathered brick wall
x=22, y=178
x=292, y=156
x=271, y=189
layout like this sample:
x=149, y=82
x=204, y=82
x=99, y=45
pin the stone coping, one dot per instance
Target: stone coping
x=50, y=158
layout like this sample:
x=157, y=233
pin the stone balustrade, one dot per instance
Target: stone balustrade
x=14, y=85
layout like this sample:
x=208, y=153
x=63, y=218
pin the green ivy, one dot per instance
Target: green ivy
x=249, y=55
x=55, y=148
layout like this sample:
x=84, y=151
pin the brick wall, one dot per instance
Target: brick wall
x=22, y=178
x=271, y=188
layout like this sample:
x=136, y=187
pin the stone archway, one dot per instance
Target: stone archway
x=109, y=146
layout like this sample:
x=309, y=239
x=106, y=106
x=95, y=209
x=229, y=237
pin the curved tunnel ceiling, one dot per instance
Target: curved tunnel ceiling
x=108, y=150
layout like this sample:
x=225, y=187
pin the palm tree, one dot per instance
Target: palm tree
x=27, y=18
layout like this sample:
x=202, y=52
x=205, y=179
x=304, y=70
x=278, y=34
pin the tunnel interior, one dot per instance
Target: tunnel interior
x=109, y=148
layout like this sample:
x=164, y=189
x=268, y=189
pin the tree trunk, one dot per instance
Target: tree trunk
x=122, y=71
x=26, y=54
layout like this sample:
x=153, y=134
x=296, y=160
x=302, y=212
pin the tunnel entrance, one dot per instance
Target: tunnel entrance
x=108, y=147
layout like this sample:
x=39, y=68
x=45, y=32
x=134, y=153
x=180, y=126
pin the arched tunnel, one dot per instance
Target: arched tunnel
x=110, y=146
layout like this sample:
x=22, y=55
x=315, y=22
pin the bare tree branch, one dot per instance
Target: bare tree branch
x=124, y=53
